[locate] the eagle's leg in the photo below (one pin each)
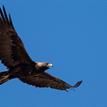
(4, 76)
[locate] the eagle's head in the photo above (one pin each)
(42, 66)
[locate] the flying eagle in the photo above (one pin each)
(13, 55)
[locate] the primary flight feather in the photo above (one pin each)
(13, 55)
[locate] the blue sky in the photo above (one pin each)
(73, 36)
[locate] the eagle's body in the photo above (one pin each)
(19, 64)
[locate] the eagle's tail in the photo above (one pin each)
(4, 77)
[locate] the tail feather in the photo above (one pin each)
(4, 76)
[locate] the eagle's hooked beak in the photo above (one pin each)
(50, 65)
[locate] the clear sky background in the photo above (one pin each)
(71, 34)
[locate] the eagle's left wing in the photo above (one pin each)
(46, 80)
(12, 50)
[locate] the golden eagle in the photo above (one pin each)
(19, 64)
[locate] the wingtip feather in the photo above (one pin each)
(78, 84)
(75, 86)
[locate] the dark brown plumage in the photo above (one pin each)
(19, 64)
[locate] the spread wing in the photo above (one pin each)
(46, 80)
(12, 51)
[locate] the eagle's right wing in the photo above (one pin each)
(44, 79)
